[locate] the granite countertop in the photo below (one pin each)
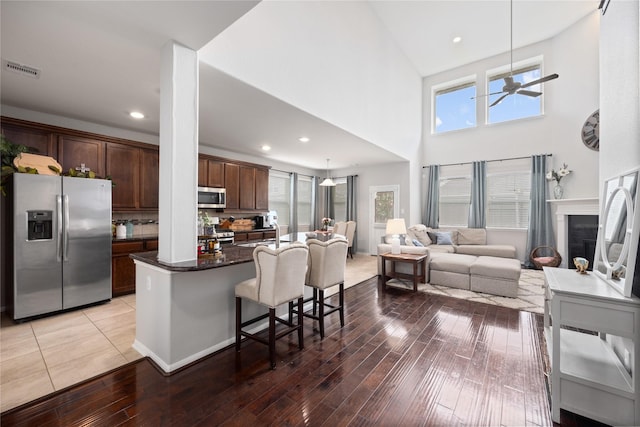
(135, 238)
(230, 255)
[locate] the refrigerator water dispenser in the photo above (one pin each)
(39, 225)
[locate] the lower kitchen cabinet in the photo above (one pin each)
(123, 270)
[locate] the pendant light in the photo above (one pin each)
(328, 182)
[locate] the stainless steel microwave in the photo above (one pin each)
(212, 198)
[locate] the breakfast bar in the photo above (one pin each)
(186, 311)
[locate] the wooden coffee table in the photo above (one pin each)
(413, 259)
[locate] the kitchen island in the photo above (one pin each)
(186, 311)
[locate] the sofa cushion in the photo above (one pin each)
(503, 251)
(472, 236)
(441, 237)
(503, 268)
(453, 263)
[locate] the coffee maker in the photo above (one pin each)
(260, 221)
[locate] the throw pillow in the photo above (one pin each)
(441, 237)
(416, 242)
(419, 232)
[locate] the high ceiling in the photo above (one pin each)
(99, 60)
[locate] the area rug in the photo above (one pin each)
(530, 292)
(360, 268)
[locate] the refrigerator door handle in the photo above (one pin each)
(65, 247)
(59, 233)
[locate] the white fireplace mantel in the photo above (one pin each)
(563, 208)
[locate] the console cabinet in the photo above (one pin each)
(589, 375)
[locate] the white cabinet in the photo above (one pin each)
(588, 376)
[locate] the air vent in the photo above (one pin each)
(25, 70)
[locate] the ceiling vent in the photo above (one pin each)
(25, 70)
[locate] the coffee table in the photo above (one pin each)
(413, 259)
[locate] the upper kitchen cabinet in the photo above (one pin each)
(210, 173)
(262, 189)
(76, 151)
(39, 141)
(149, 178)
(122, 166)
(248, 186)
(232, 184)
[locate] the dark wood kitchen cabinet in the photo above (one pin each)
(211, 173)
(123, 269)
(122, 166)
(248, 187)
(232, 184)
(135, 172)
(149, 178)
(262, 189)
(74, 151)
(39, 141)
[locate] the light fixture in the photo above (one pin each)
(136, 115)
(303, 139)
(266, 147)
(396, 227)
(457, 39)
(328, 182)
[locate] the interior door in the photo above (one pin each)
(384, 204)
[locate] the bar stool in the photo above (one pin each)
(280, 277)
(327, 262)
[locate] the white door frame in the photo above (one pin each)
(377, 230)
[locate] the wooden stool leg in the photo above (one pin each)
(321, 312)
(272, 337)
(238, 321)
(300, 316)
(315, 300)
(341, 295)
(290, 312)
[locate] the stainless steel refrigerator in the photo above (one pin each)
(61, 243)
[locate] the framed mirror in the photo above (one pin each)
(617, 244)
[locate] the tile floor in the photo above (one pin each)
(49, 354)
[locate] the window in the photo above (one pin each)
(514, 106)
(304, 203)
(455, 195)
(454, 107)
(384, 205)
(508, 187)
(280, 195)
(340, 200)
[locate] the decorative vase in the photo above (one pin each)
(558, 191)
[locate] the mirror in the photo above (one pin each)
(616, 248)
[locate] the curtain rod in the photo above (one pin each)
(494, 160)
(304, 174)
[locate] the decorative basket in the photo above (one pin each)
(539, 260)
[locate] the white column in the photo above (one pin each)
(179, 81)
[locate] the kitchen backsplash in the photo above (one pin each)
(144, 223)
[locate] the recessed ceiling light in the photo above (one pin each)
(136, 115)
(303, 139)
(457, 39)
(266, 147)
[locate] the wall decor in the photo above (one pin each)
(591, 131)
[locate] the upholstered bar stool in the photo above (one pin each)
(326, 269)
(340, 227)
(280, 278)
(350, 233)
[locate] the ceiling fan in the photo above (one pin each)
(512, 87)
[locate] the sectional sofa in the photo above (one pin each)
(461, 258)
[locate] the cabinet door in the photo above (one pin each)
(122, 165)
(232, 184)
(38, 141)
(123, 270)
(203, 171)
(149, 177)
(215, 176)
(262, 189)
(74, 151)
(247, 187)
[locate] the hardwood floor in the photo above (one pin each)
(403, 358)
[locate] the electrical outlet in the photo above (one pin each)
(148, 283)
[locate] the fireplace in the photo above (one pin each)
(564, 209)
(582, 232)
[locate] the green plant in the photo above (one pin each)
(8, 152)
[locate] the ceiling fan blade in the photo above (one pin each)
(497, 101)
(487, 94)
(529, 93)
(541, 80)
